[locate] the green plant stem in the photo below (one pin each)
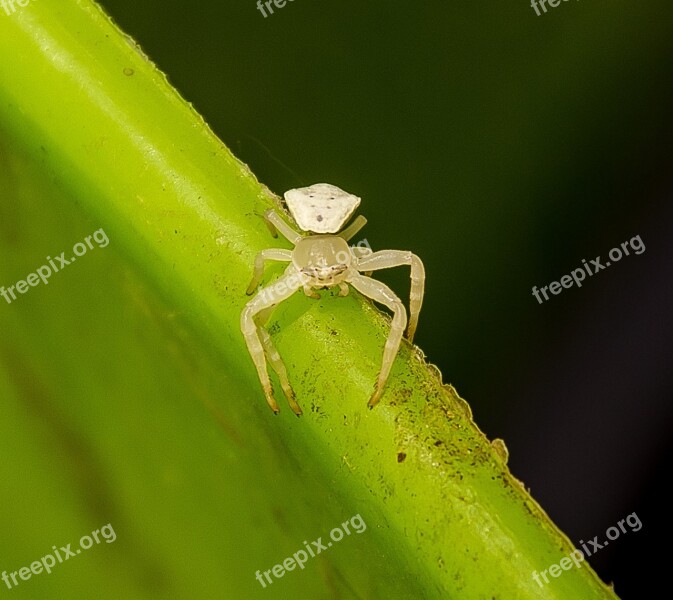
(80, 98)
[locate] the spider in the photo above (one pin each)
(322, 259)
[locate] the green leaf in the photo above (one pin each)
(129, 398)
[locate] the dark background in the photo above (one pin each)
(503, 148)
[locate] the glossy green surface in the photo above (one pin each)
(128, 396)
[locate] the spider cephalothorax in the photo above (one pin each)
(322, 258)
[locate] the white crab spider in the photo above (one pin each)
(321, 259)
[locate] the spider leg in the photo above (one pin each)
(358, 223)
(276, 254)
(361, 253)
(261, 318)
(275, 224)
(278, 366)
(380, 292)
(386, 259)
(266, 299)
(310, 292)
